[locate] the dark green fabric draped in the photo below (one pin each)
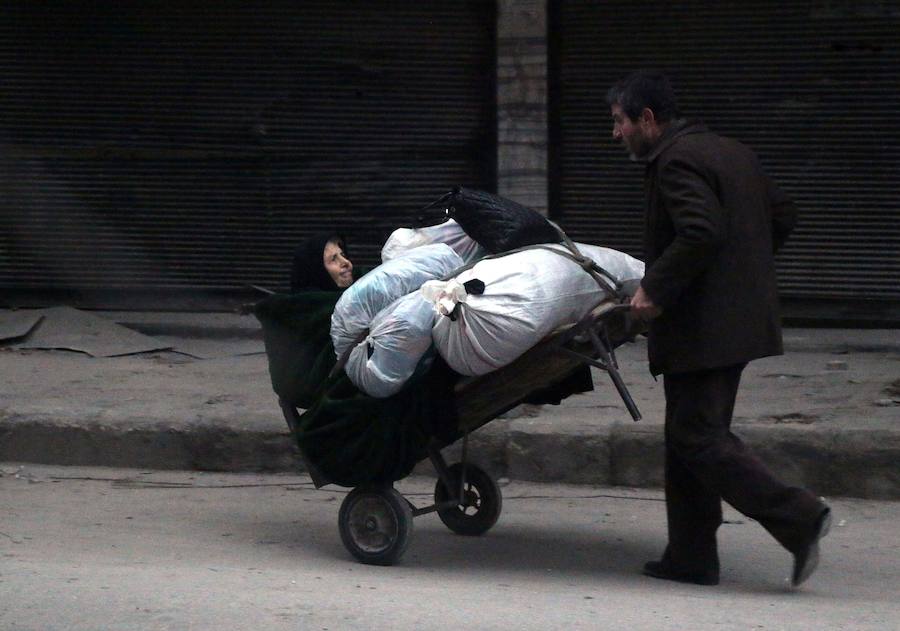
(350, 437)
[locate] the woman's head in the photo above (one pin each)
(321, 264)
(338, 266)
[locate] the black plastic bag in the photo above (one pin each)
(496, 223)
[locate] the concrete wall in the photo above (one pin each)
(522, 102)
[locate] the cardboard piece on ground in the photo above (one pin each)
(212, 348)
(17, 324)
(71, 329)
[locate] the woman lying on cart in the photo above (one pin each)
(347, 437)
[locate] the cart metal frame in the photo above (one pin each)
(375, 521)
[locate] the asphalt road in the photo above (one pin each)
(129, 549)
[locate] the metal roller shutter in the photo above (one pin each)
(188, 146)
(814, 87)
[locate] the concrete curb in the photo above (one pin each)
(206, 447)
(849, 463)
(853, 463)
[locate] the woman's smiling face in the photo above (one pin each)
(338, 265)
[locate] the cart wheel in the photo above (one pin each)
(375, 524)
(481, 501)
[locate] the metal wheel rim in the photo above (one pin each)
(471, 500)
(372, 524)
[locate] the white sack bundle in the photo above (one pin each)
(399, 336)
(383, 285)
(402, 240)
(527, 295)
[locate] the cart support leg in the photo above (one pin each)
(440, 465)
(462, 478)
(613, 370)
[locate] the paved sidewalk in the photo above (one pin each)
(825, 415)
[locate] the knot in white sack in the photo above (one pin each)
(444, 295)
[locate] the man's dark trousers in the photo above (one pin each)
(706, 463)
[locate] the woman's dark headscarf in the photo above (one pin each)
(308, 271)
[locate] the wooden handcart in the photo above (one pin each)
(376, 521)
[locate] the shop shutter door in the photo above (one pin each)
(814, 87)
(189, 146)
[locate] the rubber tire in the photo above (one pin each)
(375, 524)
(483, 491)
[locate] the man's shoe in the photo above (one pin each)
(806, 560)
(661, 569)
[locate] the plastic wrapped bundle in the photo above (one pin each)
(449, 232)
(399, 337)
(524, 297)
(386, 283)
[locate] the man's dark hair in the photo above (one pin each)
(645, 88)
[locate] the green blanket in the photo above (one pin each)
(352, 438)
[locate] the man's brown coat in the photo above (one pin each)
(713, 223)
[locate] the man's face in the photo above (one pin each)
(338, 265)
(633, 134)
